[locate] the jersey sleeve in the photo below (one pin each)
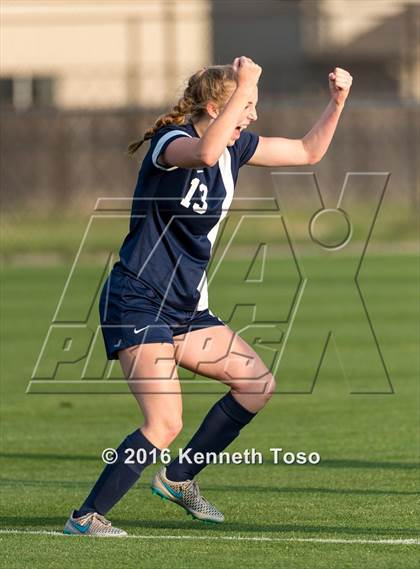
(246, 146)
(161, 140)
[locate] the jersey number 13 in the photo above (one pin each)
(186, 201)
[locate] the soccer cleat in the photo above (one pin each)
(187, 495)
(92, 524)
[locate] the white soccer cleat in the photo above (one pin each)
(93, 525)
(187, 495)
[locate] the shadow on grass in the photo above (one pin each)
(80, 484)
(49, 456)
(306, 490)
(354, 463)
(56, 523)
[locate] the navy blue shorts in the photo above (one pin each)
(131, 313)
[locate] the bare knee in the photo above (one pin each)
(270, 386)
(162, 433)
(255, 394)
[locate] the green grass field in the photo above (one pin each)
(350, 510)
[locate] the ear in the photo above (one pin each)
(212, 109)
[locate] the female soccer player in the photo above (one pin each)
(158, 288)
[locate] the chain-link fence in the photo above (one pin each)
(58, 160)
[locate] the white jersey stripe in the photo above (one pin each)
(225, 167)
(160, 144)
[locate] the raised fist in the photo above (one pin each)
(247, 71)
(340, 82)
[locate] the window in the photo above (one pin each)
(23, 93)
(6, 91)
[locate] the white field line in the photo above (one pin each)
(234, 538)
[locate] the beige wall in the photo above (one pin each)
(360, 18)
(108, 53)
(112, 53)
(340, 23)
(369, 30)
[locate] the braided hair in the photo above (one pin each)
(208, 84)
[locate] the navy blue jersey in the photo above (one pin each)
(175, 217)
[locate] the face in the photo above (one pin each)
(248, 115)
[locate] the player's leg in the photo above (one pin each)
(152, 376)
(218, 352)
(150, 370)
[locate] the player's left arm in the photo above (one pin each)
(277, 151)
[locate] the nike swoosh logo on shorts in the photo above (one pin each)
(138, 331)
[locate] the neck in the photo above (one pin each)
(201, 125)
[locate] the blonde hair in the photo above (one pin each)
(209, 84)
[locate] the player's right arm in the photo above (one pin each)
(204, 152)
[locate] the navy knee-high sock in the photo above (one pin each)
(221, 426)
(116, 479)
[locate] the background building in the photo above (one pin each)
(130, 53)
(298, 42)
(100, 54)
(81, 79)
